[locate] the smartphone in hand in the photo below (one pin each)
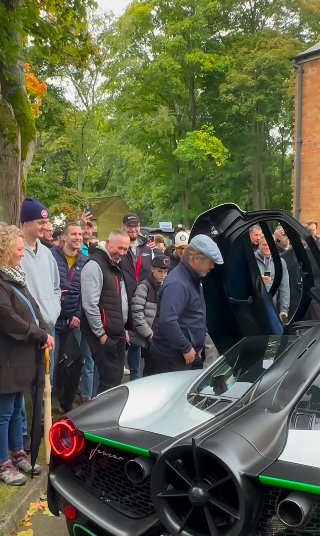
(88, 208)
(267, 273)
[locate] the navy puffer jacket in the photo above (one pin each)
(70, 283)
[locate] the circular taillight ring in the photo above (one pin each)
(65, 440)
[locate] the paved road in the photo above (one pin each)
(43, 525)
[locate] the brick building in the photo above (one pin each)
(306, 175)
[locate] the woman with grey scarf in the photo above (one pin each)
(22, 333)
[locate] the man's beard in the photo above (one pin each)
(133, 238)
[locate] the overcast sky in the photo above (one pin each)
(117, 6)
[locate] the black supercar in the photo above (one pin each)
(233, 450)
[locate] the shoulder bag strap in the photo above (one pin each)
(29, 304)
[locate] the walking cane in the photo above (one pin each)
(47, 404)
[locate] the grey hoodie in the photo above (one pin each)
(283, 294)
(43, 281)
(91, 288)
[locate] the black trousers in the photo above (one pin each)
(109, 359)
(158, 362)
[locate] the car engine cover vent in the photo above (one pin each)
(211, 404)
(305, 420)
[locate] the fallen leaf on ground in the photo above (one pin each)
(47, 512)
(26, 521)
(35, 507)
(28, 532)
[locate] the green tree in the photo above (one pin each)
(58, 30)
(253, 98)
(158, 64)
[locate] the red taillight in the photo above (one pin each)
(70, 512)
(64, 439)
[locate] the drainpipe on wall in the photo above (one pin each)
(297, 165)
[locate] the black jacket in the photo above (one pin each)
(20, 337)
(110, 303)
(136, 269)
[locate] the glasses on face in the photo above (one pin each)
(133, 226)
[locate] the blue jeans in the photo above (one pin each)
(10, 424)
(134, 361)
(87, 372)
(96, 382)
(24, 417)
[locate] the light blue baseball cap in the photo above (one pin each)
(207, 247)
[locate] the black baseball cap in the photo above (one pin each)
(161, 261)
(130, 218)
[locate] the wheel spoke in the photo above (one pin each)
(225, 507)
(211, 524)
(177, 468)
(185, 521)
(195, 459)
(222, 481)
(173, 493)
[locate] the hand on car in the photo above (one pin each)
(49, 343)
(74, 322)
(190, 356)
(103, 339)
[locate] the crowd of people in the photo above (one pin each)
(288, 296)
(113, 298)
(62, 283)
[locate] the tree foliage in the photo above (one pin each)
(176, 106)
(59, 32)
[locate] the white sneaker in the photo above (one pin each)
(126, 371)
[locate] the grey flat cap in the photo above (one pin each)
(207, 247)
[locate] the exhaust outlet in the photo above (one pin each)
(293, 511)
(139, 469)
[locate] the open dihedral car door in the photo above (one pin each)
(238, 303)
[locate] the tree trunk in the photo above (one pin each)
(10, 197)
(81, 176)
(257, 171)
(13, 91)
(186, 204)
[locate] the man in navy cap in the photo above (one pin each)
(38, 263)
(41, 270)
(180, 325)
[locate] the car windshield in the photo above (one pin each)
(243, 365)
